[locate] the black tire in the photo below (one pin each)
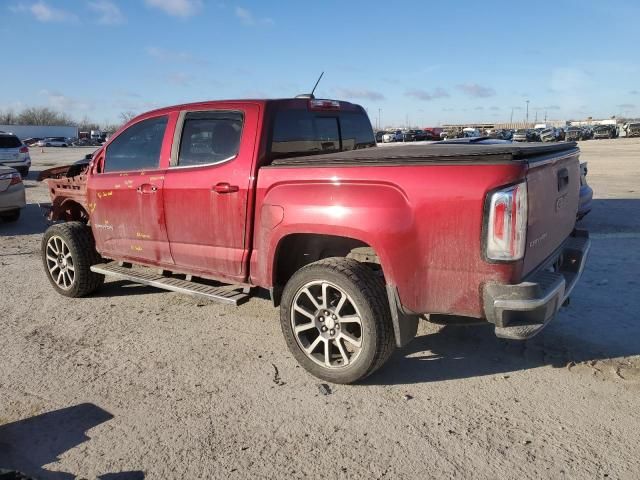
(367, 291)
(81, 245)
(23, 172)
(11, 216)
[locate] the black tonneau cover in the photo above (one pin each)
(431, 153)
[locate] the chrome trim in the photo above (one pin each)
(177, 138)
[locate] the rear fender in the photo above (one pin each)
(375, 213)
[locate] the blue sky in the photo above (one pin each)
(428, 62)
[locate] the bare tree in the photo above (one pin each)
(8, 117)
(86, 125)
(126, 116)
(43, 116)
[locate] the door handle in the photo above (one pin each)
(224, 187)
(146, 188)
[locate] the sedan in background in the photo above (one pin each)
(12, 196)
(13, 153)
(53, 142)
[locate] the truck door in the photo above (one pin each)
(206, 189)
(125, 193)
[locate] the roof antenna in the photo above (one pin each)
(310, 95)
(314, 87)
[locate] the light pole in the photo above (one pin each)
(511, 121)
(527, 112)
(380, 118)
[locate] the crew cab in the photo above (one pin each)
(354, 243)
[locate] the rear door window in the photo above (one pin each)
(138, 147)
(209, 137)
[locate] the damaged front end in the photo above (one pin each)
(68, 191)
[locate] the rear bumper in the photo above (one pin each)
(586, 200)
(521, 311)
(13, 198)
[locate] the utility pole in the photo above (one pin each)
(545, 116)
(527, 112)
(380, 118)
(511, 121)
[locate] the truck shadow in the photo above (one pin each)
(599, 326)
(30, 444)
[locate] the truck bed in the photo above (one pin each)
(430, 153)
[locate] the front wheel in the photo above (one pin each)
(68, 252)
(336, 320)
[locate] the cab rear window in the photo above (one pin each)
(303, 132)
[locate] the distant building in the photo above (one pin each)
(40, 131)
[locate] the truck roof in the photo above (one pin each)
(435, 152)
(280, 102)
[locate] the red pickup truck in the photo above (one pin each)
(355, 242)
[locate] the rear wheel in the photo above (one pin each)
(11, 216)
(336, 320)
(68, 252)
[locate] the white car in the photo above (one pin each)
(53, 142)
(15, 154)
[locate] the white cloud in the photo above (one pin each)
(425, 95)
(177, 8)
(44, 12)
(248, 18)
(359, 93)
(173, 56)
(64, 103)
(475, 90)
(180, 79)
(109, 13)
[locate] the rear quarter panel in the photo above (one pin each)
(424, 222)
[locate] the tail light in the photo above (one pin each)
(506, 227)
(24, 150)
(14, 177)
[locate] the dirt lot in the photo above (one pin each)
(136, 382)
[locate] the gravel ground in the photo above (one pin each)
(134, 382)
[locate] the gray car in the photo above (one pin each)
(12, 197)
(13, 153)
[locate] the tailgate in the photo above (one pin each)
(553, 186)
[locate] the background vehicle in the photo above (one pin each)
(12, 197)
(379, 135)
(31, 141)
(390, 137)
(632, 129)
(14, 153)
(521, 135)
(586, 193)
(53, 142)
(604, 131)
(573, 134)
(288, 195)
(548, 135)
